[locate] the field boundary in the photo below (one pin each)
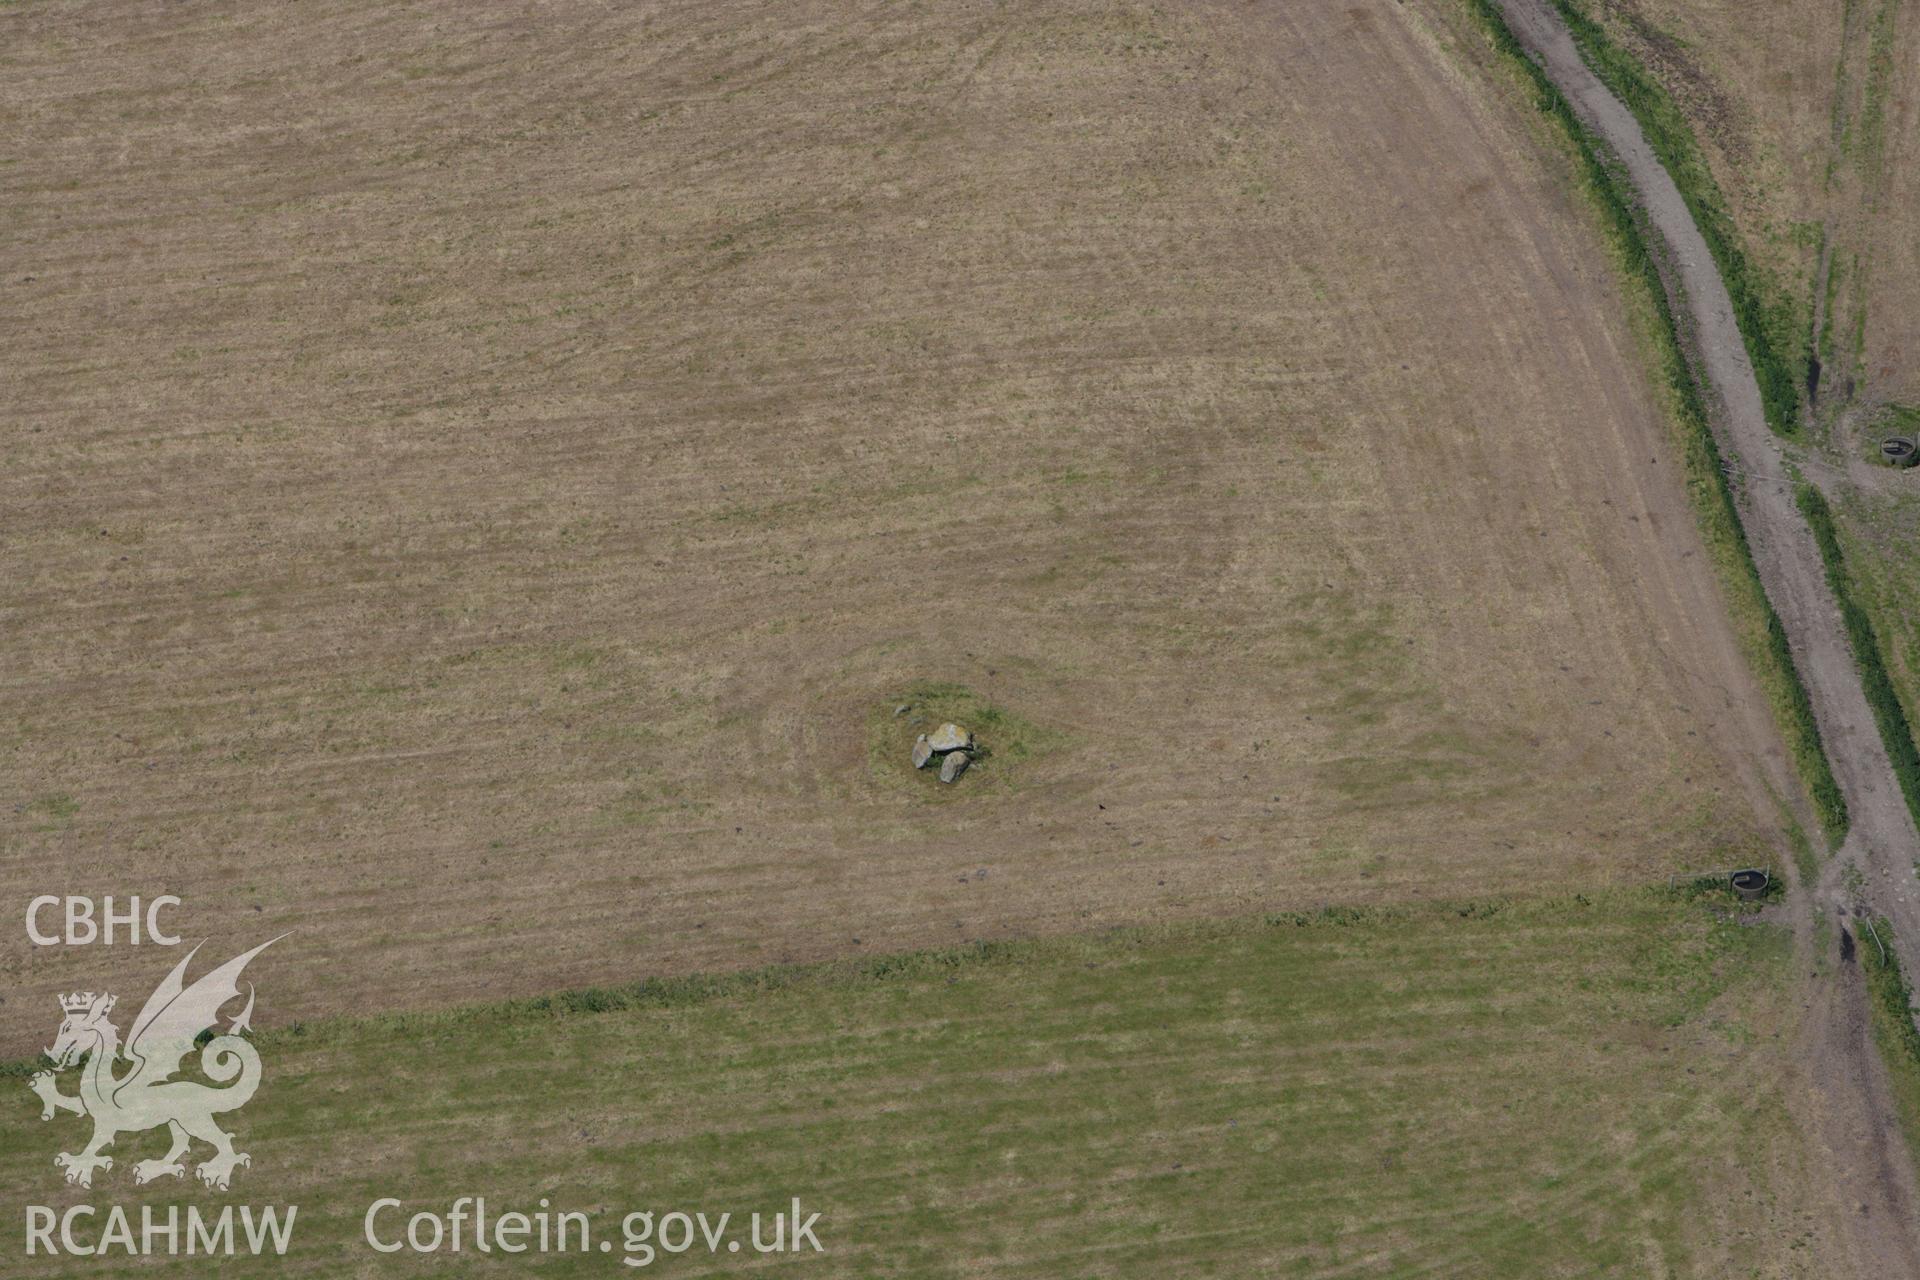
(1706, 474)
(700, 988)
(1896, 729)
(1890, 999)
(1671, 137)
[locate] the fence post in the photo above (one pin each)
(1868, 921)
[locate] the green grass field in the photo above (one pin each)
(1537, 1089)
(1893, 1026)
(1880, 535)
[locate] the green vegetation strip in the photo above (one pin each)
(1888, 713)
(1893, 1027)
(1768, 328)
(1611, 190)
(1498, 1089)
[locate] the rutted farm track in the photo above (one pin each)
(1882, 843)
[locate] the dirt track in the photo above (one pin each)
(1855, 1119)
(1883, 835)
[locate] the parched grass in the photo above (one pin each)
(1895, 419)
(1763, 634)
(654, 502)
(1865, 136)
(1497, 1089)
(1770, 323)
(50, 812)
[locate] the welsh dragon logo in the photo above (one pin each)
(146, 1096)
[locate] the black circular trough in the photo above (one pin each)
(1899, 451)
(1750, 884)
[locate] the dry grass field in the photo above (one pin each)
(477, 482)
